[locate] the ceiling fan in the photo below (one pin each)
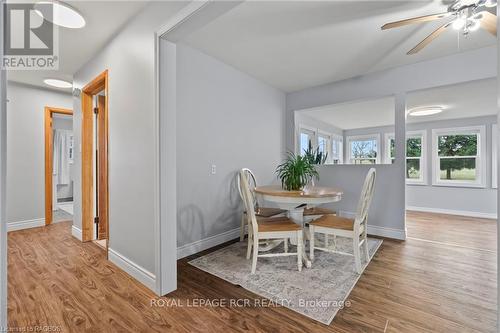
(467, 15)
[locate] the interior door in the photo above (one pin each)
(102, 167)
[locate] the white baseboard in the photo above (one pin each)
(377, 230)
(76, 232)
(453, 212)
(386, 232)
(139, 273)
(206, 243)
(19, 225)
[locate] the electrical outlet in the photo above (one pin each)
(214, 169)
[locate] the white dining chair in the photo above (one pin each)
(259, 211)
(274, 228)
(356, 228)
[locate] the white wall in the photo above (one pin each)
(226, 118)
(26, 149)
(133, 165)
(388, 206)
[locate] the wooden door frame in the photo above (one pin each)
(97, 85)
(49, 149)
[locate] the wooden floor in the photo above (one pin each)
(442, 279)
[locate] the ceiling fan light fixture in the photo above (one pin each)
(473, 25)
(458, 23)
(425, 111)
(490, 3)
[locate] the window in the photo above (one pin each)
(457, 156)
(306, 139)
(415, 155)
(337, 150)
(324, 144)
(363, 149)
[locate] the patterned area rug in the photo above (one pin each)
(317, 292)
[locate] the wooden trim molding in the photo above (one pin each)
(49, 149)
(100, 83)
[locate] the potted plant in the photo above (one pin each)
(296, 172)
(315, 156)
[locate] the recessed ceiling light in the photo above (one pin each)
(58, 83)
(425, 111)
(62, 14)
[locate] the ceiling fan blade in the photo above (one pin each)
(427, 40)
(419, 19)
(489, 22)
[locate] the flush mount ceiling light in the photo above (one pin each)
(425, 111)
(62, 14)
(58, 83)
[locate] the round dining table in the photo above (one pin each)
(295, 202)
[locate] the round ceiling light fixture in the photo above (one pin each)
(58, 83)
(425, 111)
(62, 14)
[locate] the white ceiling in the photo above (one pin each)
(77, 46)
(293, 45)
(471, 99)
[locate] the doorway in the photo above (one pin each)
(95, 199)
(58, 164)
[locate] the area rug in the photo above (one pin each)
(317, 292)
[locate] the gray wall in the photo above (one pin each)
(390, 186)
(458, 199)
(229, 119)
(26, 149)
(129, 57)
(451, 198)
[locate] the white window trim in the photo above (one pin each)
(480, 159)
(328, 136)
(423, 158)
(312, 131)
(494, 156)
(351, 138)
(340, 139)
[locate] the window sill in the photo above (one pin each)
(465, 185)
(417, 183)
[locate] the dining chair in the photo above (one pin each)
(259, 211)
(273, 228)
(356, 228)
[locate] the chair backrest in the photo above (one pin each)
(252, 183)
(366, 197)
(248, 197)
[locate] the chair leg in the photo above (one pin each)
(311, 243)
(242, 231)
(326, 241)
(250, 242)
(286, 244)
(334, 242)
(357, 256)
(255, 252)
(366, 247)
(300, 244)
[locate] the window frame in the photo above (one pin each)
(328, 136)
(494, 156)
(339, 139)
(364, 137)
(422, 134)
(480, 157)
(307, 130)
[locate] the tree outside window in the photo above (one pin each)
(457, 155)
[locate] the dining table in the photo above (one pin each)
(294, 202)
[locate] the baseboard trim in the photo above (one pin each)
(131, 268)
(377, 230)
(453, 212)
(206, 243)
(386, 232)
(20, 225)
(76, 232)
